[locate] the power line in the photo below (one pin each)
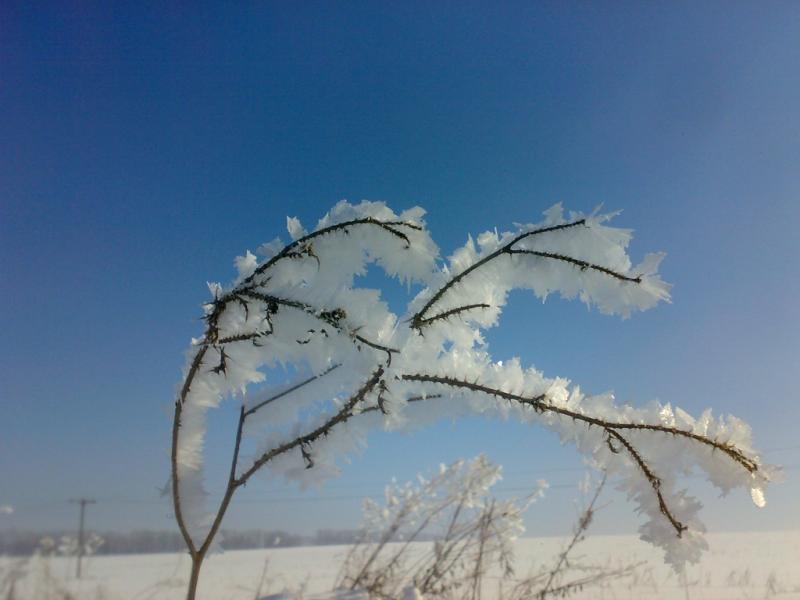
(267, 496)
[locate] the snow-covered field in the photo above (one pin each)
(740, 565)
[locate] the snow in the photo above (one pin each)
(737, 566)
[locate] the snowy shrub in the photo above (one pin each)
(360, 366)
(446, 537)
(471, 532)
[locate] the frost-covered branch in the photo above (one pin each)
(581, 264)
(540, 404)
(443, 316)
(302, 246)
(419, 319)
(306, 440)
(360, 366)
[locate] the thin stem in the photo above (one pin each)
(583, 525)
(176, 426)
(409, 400)
(582, 264)
(194, 576)
(449, 313)
(229, 490)
(243, 337)
(176, 494)
(381, 544)
(652, 478)
(563, 591)
(288, 391)
(478, 571)
(190, 375)
(435, 571)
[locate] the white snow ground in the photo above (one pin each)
(738, 566)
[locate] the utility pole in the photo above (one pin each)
(83, 502)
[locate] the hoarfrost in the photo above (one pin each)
(361, 367)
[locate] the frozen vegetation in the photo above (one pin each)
(359, 366)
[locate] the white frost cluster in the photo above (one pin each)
(470, 530)
(297, 307)
(431, 501)
(69, 546)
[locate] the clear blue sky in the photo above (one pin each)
(144, 148)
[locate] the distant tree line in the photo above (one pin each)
(24, 543)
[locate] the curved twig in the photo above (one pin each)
(176, 490)
(449, 313)
(290, 248)
(389, 351)
(582, 264)
(539, 404)
(652, 478)
(418, 319)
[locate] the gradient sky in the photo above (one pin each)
(144, 149)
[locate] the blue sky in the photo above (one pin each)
(145, 148)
